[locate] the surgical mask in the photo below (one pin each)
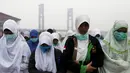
(45, 48)
(10, 37)
(82, 37)
(120, 36)
(34, 39)
(55, 44)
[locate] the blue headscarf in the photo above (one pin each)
(34, 33)
(33, 45)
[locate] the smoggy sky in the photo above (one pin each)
(102, 13)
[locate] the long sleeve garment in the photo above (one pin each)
(33, 69)
(67, 62)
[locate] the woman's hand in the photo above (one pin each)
(90, 68)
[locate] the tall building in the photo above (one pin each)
(41, 17)
(70, 19)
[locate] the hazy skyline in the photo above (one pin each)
(102, 13)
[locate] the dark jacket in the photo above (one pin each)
(67, 62)
(33, 69)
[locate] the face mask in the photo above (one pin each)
(45, 48)
(82, 37)
(10, 37)
(120, 36)
(55, 44)
(34, 39)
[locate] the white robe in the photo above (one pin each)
(45, 61)
(116, 53)
(58, 46)
(14, 57)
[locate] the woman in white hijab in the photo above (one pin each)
(26, 35)
(89, 55)
(97, 33)
(43, 60)
(69, 33)
(14, 51)
(116, 49)
(57, 42)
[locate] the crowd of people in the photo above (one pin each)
(78, 52)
